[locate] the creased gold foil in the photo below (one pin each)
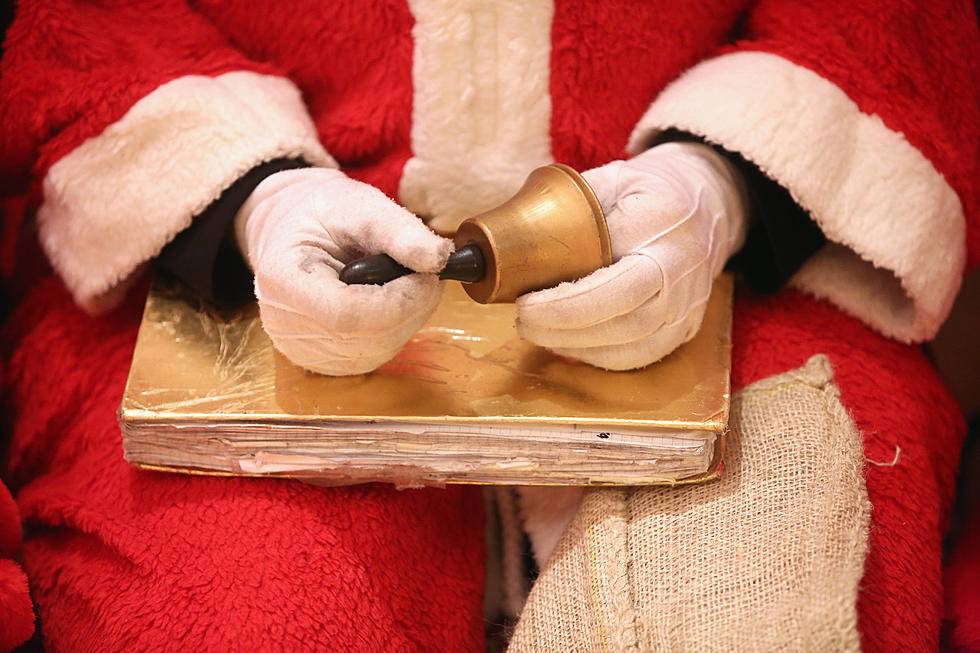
(207, 392)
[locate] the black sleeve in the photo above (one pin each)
(782, 236)
(205, 257)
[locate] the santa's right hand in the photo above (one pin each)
(298, 229)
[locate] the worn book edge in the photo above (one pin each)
(159, 432)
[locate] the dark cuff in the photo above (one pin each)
(205, 257)
(782, 236)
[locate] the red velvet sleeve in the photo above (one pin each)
(868, 113)
(72, 68)
(133, 116)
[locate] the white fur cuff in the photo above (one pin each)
(478, 128)
(117, 199)
(900, 222)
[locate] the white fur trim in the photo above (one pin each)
(117, 199)
(862, 182)
(480, 122)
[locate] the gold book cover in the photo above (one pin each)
(465, 401)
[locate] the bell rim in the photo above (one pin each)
(602, 227)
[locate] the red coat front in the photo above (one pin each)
(135, 117)
(129, 118)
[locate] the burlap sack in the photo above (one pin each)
(766, 559)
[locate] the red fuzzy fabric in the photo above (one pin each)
(353, 62)
(883, 55)
(118, 55)
(897, 401)
(10, 531)
(72, 68)
(962, 581)
(16, 611)
(606, 68)
(359, 94)
(129, 560)
(886, 56)
(132, 560)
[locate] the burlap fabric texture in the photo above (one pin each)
(768, 558)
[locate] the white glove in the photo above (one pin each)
(675, 214)
(298, 229)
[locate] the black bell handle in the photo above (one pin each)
(466, 264)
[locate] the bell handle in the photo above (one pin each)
(466, 264)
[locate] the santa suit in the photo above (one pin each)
(130, 119)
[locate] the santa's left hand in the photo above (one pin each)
(676, 213)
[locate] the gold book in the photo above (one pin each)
(465, 401)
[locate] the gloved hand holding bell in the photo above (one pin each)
(552, 230)
(669, 217)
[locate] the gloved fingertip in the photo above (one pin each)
(426, 254)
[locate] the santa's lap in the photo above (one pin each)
(125, 559)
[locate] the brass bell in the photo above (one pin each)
(552, 230)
